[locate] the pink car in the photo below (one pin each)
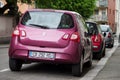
(55, 36)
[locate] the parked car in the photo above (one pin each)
(54, 36)
(98, 40)
(109, 35)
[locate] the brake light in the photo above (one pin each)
(18, 32)
(75, 37)
(65, 37)
(109, 35)
(96, 38)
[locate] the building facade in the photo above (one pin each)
(22, 6)
(105, 13)
(117, 17)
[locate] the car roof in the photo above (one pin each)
(91, 22)
(105, 26)
(54, 10)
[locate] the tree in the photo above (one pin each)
(84, 7)
(12, 6)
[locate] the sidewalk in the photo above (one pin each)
(4, 46)
(111, 70)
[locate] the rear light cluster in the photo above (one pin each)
(74, 37)
(109, 35)
(18, 32)
(96, 38)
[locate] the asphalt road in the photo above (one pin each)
(39, 71)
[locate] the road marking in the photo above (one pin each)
(4, 70)
(100, 65)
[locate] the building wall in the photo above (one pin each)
(111, 14)
(117, 17)
(22, 7)
(106, 13)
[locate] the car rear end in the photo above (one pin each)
(97, 43)
(46, 36)
(107, 32)
(97, 38)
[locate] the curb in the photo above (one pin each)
(4, 46)
(4, 40)
(100, 65)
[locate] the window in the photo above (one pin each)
(96, 12)
(113, 12)
(82, 24)
(103, 12)
(1, 4)
(110, 11)
(49, 20)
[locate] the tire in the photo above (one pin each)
(77, 69)
(89, 63)
(103, 53)
(14, 64)
(111, 46)
(99, 56)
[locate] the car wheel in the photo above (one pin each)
(14, 64)
(103, 53)
(78, 68)
(99, 56)
(111, 45)
(89, 63)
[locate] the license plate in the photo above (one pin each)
(41, 55)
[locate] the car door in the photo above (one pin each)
(86, 41)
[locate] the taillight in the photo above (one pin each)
(109, 35)
(18, 32)
(65, 37)
(75, 37)
(97, 39)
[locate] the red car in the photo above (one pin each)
(98, 40)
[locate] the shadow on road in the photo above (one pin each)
(52, 69)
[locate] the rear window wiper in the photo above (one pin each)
(41, 26)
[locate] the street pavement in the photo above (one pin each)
(111, 70)
(108, 68)
(4, 46)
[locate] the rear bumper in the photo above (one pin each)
(109, 41)
(97, 47)
(69, 54)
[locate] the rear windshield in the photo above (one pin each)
(92, 26)
(105, 29)
(47, 20)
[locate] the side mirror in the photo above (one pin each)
(113, 32)
(86, 34)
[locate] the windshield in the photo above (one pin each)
(105, 28)
(47, 20)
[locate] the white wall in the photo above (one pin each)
(117, 17)
(6, 26)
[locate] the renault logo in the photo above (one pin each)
(43, 34)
